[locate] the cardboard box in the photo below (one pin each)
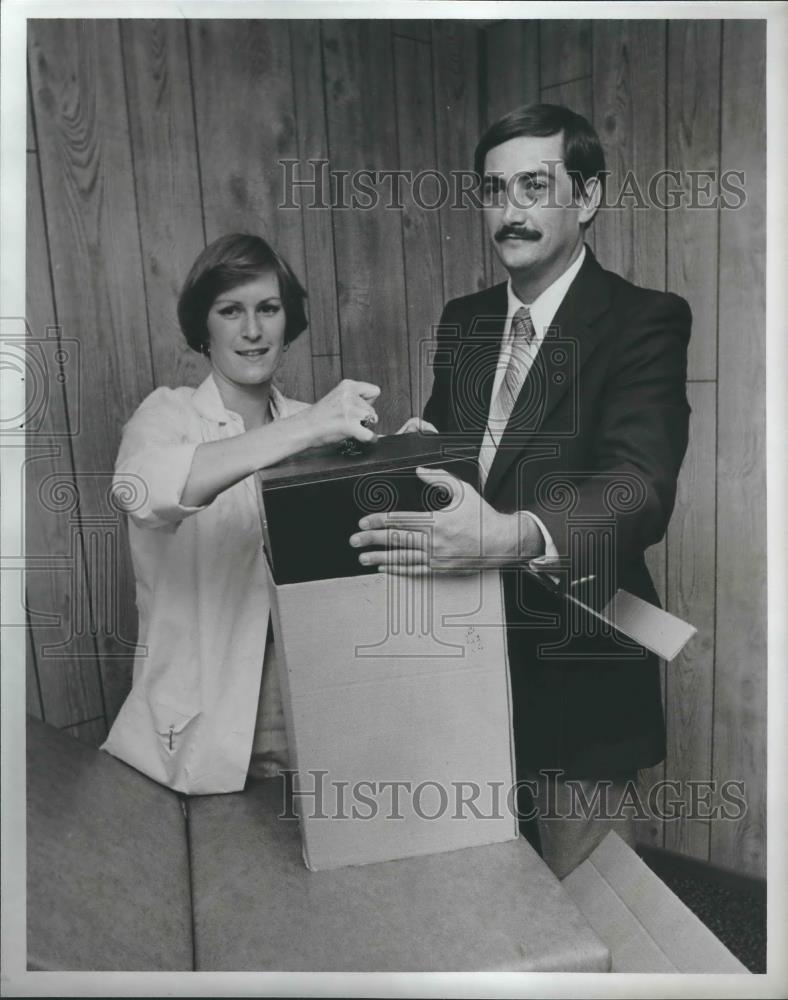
(395, 689)
(391, 680)
(646, 927)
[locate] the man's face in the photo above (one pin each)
(530, 211)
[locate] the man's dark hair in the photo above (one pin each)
(583, 155)
(227, 263)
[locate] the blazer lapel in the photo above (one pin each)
(572, 338)
(473, 372)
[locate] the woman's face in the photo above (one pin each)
(246, 325)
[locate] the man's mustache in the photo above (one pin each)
(508, 233)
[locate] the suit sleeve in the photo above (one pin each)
(639, 445)
(437, 407)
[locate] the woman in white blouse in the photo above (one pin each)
(205, 699)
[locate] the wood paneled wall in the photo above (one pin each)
(146, 139)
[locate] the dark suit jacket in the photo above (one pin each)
(593, 448)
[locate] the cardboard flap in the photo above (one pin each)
(612, 920)
(657, 630)
(627, 883)
(651, 627)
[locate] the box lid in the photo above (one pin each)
(393, 451)
(390, 452)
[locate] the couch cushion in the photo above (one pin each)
(107, 862)
(257, 907)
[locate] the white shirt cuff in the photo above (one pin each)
(550, 549)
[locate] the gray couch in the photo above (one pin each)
(125, 875)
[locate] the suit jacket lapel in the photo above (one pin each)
(474, 370)
(572, 338)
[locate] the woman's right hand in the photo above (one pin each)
(217, 465)
(339, 414)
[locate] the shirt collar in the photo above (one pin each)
(545, 306)
(208, 402)
(277, 404)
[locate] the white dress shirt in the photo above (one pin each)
(191, 717)
(542, 311)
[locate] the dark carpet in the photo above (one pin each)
(735, 914)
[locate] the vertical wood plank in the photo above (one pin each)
(576, 95)
(628, 59)
(693, 145)
(421, 227)
(511, 79)
(33, 703)
(327, 372)
(740, 684)
(310, 118)
(456, 83)
(86, 163)
(87, 174)
(656, 560)
(511, 67)
(418, 30)
(565, 75)
(66, 659)
(691, 576)
(70, 687)
(167, 184)
(651, 831)
(359, 81)
(693, 142)
(31, 132)
(629, 70)
(564, 51)
(244, 106)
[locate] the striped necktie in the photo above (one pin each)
(502, 405)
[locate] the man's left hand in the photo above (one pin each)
(416, 424)
(468, 534)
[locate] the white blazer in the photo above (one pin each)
(202, 598)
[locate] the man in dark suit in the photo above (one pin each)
(569, 383)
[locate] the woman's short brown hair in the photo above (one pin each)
(226, 263)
